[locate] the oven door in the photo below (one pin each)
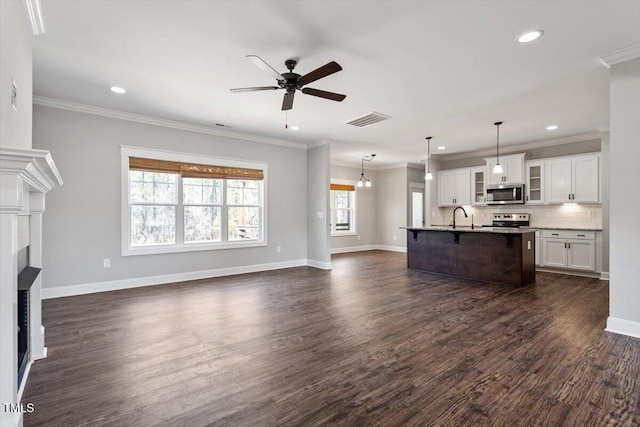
(505, 194)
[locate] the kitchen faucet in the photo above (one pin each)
(454, 215)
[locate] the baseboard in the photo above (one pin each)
(569, 272)
(90, 288)
(354, 249)
(319, 264)
(623, 327)
(604, 275)
(392, 248)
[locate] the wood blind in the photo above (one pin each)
(193, 170)
(343, 187)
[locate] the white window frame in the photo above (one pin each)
(354, 231)
(180, 246)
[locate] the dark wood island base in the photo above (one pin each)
(489, 255)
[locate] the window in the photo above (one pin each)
(175, 202)
(343, 209)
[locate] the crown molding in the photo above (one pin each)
(621, 55)
(511, 149)
(319, 144)
(139, 118)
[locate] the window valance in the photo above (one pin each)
(342, 187)
(194, 170)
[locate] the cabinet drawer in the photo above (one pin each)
(569, 234)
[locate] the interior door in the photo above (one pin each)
(417, 207)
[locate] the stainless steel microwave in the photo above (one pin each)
(505, 194)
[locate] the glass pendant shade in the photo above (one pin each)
(359, 184)
(498, 169)
(367, 184)
(428, 176)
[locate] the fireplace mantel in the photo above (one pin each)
(25, 177)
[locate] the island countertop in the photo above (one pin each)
(465, 229)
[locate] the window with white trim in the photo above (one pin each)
(343, 209)
(175, 202)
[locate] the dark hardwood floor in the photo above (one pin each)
(368, 343)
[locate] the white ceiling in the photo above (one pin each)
(442, 69)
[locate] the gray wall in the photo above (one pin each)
(318, 181)
(366, 208)
(391, 193)
(15, 63)
(624, 192)
(82, 225)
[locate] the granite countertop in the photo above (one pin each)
(479, 229)
(569, 228)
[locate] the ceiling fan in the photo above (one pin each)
(292, 81)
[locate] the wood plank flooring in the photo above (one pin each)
(367, 343)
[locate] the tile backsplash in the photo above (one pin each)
(561, 216)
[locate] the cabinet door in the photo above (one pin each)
(463, 187)
(581, 255)
(446, 188)
(585, 178)
(554, 253)
(558, 180)
(537, 242)
(478, 194)
(514, 170)
(535, 183)
(493, 178)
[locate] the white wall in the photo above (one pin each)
(624, 198)
(391, 192)
(317, 206)
(82, 223)
(15, 64)
(366, 208)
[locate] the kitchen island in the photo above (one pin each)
(498, 255)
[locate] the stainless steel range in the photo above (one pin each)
(508, 220)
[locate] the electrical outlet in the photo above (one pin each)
(320, 214)
(395, 237)
(106, 263)
(278, 249)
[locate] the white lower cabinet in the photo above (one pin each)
(575, 250)
(538, 248)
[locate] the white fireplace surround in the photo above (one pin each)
(25, 177)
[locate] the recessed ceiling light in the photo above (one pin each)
(552, 127)
(117, 89)
(530, 36)
(294, 127)
(442, 147)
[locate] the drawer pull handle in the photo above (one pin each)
(581, 235)
(555, 234)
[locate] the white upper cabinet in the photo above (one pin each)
(573, 179)
(478, 185)
(454, 187)
(534, 185)
(513, 166)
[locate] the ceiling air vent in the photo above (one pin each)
(367, 119)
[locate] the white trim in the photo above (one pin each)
(621, 55)
(516, 149)
(623, 327)
(319, 264)
(353, 249)
(24, 379)
(112, 285)
(604, 275)
(139, 118)
(568, 272)
(603, 128)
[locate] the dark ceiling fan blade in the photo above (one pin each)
(253, 89)
(258, 62)
(287, 102)
(318, 73)
(323, 94)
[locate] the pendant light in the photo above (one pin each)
(363, 181)
(497, 169)
(428, 176)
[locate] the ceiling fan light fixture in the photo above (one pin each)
(529, 36)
